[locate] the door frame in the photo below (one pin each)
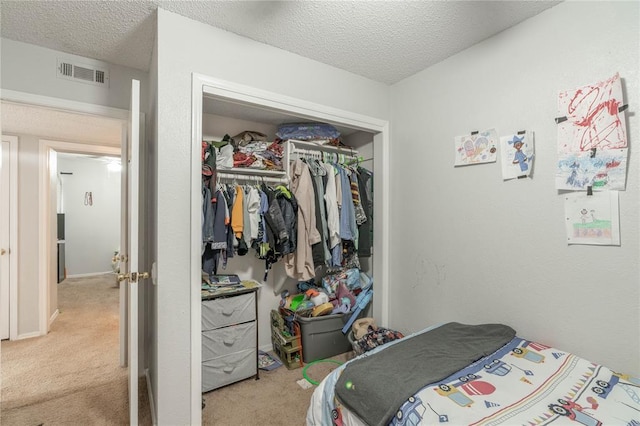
(46, 234)
(13, 235)
(247, 95)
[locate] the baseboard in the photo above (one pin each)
(92, 274)
(28, 335)
(266, 348)
(152, 405)
(53, 317)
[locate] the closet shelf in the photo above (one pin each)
(293, 143)
(292, 148)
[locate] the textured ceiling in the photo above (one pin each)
(385, 41)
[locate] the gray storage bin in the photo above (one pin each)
(322, 336)
(354, 344)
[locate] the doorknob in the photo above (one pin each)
(133, 276)
(2, 252)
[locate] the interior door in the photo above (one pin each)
(129, 277)
(4, 239)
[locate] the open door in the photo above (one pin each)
(5, 227)
(128, 256)
(8, 237)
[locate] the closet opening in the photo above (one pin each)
(223, 109)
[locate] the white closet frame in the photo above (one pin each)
(228, 92)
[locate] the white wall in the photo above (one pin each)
(469, 247)
(28, 208)
(184, 47)
(92, 232)
(32, 69)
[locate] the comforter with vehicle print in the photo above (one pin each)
(523, 382)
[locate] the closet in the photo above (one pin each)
(224, 116)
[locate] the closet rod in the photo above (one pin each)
(358, 160)
(251, 178)
(321, 152)
(324, 156)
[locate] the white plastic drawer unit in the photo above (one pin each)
(228, 369)
(228, 340)
(226, 311)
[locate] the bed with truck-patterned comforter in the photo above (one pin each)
(521, 382)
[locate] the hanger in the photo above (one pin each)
(284, 190)
(320, 170)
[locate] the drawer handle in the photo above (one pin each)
(229, 342)
(228, 369)
(227, 312)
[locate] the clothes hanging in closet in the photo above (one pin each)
(239, 217)
(365, 185)
(299, 265)
(343, 209)
(325, 220)
(333, 213)
(320, 250)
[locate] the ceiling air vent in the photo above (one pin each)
(82, 73)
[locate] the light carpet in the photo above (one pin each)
(274, 399)
(72, 375)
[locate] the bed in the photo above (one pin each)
(474, 375)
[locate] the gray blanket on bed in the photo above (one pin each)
(374, 387)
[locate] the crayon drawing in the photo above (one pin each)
(593, 117)
(477, 148)
(516, 152)
(592, 219)
(606, 170)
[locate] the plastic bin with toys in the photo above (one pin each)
(325, 312)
